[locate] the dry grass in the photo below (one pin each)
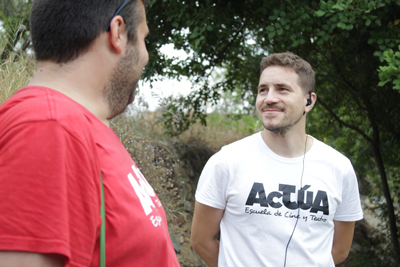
(14, 74)
(221, 130)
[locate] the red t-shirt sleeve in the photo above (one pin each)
(49, 192)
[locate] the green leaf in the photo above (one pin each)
(371, 5)
(330, 4)
(195, 33)
(382, 83)
(338, 7)
(319, 13)
(341, 25)
(379, 5)
(196, 44)
(343, 18)
(263, 10)
(271, 35)
(279, 32)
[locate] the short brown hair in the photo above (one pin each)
(299, 65)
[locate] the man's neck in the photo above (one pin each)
(290, 145)
(82, 80)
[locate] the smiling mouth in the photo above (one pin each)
(272, 110)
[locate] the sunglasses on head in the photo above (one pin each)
(117, 12)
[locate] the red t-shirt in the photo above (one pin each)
(51, 153)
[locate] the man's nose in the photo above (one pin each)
(271, 97)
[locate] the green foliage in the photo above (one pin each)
(240, 123)
(216, 34)
(367, 256)
(362, 16)
(384, 249)
(179, 113)
(390, 73)
(345, 41)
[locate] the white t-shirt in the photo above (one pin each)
(259, 192)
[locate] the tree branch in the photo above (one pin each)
(340, 76)
(229, 45)
(336, 117)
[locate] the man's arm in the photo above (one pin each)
(342, 239)
(205, 227)
(22, 259)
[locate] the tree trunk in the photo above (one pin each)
(386, 192)
(374, 141)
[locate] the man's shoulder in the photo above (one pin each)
(40, 104)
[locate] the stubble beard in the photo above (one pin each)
(121, 88)
(282, 128)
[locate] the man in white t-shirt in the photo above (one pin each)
(279, 197)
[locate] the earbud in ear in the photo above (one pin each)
(309, 100)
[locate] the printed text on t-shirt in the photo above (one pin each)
(276, 199)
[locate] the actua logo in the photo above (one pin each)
(275, 199)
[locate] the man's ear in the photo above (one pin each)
(313, 98)
(118, 35)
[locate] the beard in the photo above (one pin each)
(121, 88)
(285, 125)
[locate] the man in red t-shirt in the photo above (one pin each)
(56, 144)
